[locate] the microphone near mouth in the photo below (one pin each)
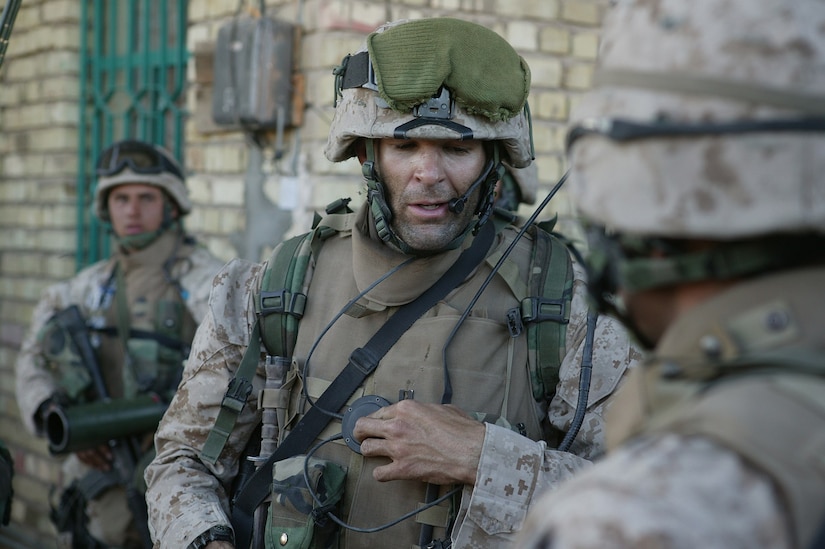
(456, 205)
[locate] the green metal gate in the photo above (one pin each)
(132, 85)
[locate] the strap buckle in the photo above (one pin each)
(236, 394)
(364, 360)
(539, 309)
(282, 301)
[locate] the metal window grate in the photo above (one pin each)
(132, 85)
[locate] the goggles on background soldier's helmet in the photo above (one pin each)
(140, 157)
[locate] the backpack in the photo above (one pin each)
(544, 311)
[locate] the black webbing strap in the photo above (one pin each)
(362, 362)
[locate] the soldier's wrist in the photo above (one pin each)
(216, 533)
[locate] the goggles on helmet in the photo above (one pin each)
(140, 157)
(619, 129)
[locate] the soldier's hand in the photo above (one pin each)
(433, 443)
(97, 458)
(219, 545)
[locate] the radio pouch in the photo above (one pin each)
(296, 519)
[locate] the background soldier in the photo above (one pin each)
(705, 178)
(139, 309)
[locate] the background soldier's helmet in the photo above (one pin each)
(391, 87)
(131, 161)
(722, 103)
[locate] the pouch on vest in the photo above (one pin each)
(296, 520)
(64, 361)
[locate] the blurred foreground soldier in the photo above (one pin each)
(703, 182)
(105, 349)
(370, 431)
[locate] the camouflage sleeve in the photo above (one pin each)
(33, 381)
(185, 495)
(668, 491)
(197, 281)
(513, 469)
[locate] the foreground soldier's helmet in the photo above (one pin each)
(707, 120)
(131, 161)
(439, 78)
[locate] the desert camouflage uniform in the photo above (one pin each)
(187, 496)
(716, 209)
(679, 490)
(193, 268)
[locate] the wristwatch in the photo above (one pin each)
(220, 532)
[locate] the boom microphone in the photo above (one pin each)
(456, 205)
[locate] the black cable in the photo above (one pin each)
(374, 529)
(584, 382)
(447, 397)
(329, 325)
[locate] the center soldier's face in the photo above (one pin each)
(135, 208)
(421, 177)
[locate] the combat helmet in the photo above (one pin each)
(706, 122)
(132, 161)
(439, 78)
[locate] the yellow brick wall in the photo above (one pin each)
(38, 154)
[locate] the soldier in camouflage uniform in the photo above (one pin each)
(149, 297)
(706, 168)
(417, 168)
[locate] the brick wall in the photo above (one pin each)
(38, 154)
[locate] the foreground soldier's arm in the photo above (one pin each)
(513, 470)
(201, 498)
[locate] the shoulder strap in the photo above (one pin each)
(288, 306)
(279, 307)
(545, 311)
(362, 362)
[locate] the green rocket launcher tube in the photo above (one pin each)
(90, 425)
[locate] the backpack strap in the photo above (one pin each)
(546, 312)
(544, 307)
(279, 307)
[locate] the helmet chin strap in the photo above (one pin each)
(383, 216)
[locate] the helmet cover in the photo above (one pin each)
(706, 62)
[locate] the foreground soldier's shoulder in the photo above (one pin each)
(233, 288)
(234, 283)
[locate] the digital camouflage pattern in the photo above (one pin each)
(716, 441)
(755, 61)
(187, 496)
(92, 289)
(697, 475)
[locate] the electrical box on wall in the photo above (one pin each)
(253, 74)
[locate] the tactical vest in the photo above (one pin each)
(530, 295)
(765, 400)
(142, 311)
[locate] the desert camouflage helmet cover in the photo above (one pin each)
(409, 61)
(700, 62)
(174, 186)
